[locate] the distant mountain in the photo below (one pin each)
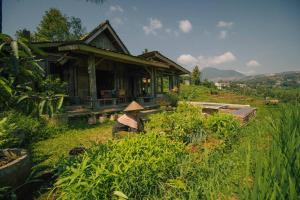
(290, 78)
(214, 74)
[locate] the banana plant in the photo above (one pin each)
(18, 66)
(22, 79)
(41, 103)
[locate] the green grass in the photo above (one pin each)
(227, 166)
(47, 153)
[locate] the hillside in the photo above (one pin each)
(214, 74)
(283, 79)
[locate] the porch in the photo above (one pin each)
(99, 79)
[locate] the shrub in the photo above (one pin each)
(20, 130)
(136, 166)
(223, 125)
(171, 98)
(185, 124)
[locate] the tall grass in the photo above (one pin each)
(277, 167)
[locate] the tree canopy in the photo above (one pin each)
(195, 76)
(56, 26)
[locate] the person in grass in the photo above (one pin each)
(130, 121)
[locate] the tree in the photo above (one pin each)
(195, 76)
(76, 29)
(55, 26)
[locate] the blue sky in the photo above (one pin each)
(252, 37)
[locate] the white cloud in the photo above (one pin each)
(187, 59)
(116, 8)
(217, 60)
(205, 61)
(153, 26)
(222, 34)
(223, 24)
(185, 26)
(253, 63)
(134, 8)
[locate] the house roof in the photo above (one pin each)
(156, 54)
(99, 29)
(112, 55)
(84, 46)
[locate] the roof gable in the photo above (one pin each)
(155, 55)
(105, 37)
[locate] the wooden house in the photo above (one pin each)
(101, 72)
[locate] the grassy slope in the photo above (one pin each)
(48, 152)
(229, 167)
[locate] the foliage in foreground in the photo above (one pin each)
(140, 167)
(277, 169)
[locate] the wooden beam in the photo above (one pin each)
(99, 61)
(92, 80)
(112, 55)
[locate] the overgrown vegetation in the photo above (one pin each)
(140, 167)
(186, 124)
(277, 169)
(19, 130)
(223, 125)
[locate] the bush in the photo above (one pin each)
(20, 130)
(137, 166)
(223, 125)
(186, 124)
(171, 98)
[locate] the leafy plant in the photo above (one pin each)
(19, 68)
(186, 124)
(171, 98)
(22, 80)
(136, 166)
(19, 130)
(223, 125)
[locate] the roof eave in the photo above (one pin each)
(125, 58)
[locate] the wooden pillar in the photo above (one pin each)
(155, 82)
(75, 80)
(92, 80)
(152, 83)
(171, 84)
(71, 81)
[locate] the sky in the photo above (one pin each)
(252, 37)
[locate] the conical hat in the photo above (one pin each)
(133, 106)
